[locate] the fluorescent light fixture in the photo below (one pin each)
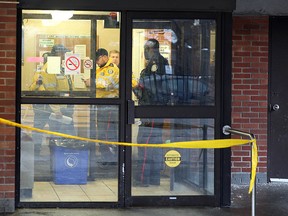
(61, 15)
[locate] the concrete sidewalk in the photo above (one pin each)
(271, 200)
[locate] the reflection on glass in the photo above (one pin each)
(153, 176)
(172, 90)
(57, 60)
(50, 163)
(188, 77)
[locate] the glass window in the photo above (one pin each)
(160, 171)
(174, 61)
(57, 169)
(59, 54)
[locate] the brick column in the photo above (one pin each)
(250, 91)
(7, 105)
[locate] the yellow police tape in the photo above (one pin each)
(198, 144)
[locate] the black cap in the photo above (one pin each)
(152, 43)
(101, 52)
(59, 48)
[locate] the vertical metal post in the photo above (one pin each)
(205, 169)
(228, 130)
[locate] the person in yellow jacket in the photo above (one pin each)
(114, 55)
(58, 117)
(107, 86)
(107, 76)
(42, 81)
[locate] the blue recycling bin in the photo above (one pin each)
(70, 165)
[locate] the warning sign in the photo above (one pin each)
(172, 158)
(88, 64)
(72, 64)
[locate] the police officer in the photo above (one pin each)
(149, 161)
(53, 82)
(107, 86)
(149, 90)
(114, 55)
(107, 76)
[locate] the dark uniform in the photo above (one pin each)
(107, 86)
(150, 160)
(149, 89)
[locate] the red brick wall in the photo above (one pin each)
(7, 99)
(250, 87)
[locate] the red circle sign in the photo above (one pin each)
(88, 64)
(72, 63)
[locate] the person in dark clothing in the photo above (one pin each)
(148, 92)
(107, 86)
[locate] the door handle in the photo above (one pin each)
(131, 112)
(275, 107)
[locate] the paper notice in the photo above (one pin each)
(53, 65)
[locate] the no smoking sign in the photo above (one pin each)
(88, 64)
(72, 64)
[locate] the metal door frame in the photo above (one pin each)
(224, 46)
(222, 112)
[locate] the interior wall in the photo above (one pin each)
(108, 38)
(35, 27)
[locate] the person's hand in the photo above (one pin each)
(87, 82)
(39, 80)
(110, 87)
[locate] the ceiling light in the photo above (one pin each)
(61, 15)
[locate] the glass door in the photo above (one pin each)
(68, 87)
(172, 84)
(174, 96)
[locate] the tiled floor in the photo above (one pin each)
(91, 192)
(105, 190)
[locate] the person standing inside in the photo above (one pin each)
(107, 86)
(114, 55)
(149, 161)
(52, 114)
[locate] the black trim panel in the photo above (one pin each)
(132, 5)
(175, 112)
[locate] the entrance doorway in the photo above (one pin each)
(186, 82)
(170, 92)
(277, 114)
